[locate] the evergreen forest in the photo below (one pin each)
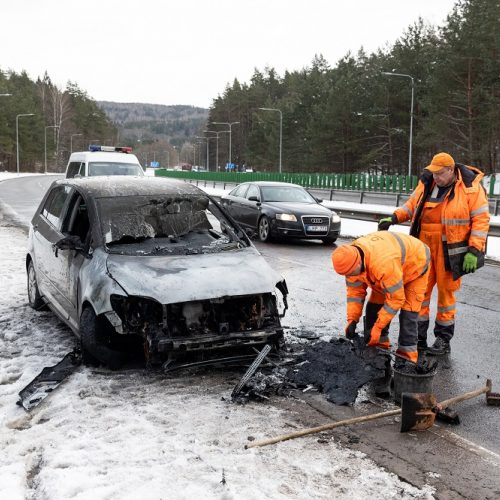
(441, 83)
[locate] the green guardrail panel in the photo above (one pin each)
(346, 181)
(492, 186)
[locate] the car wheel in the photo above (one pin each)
(329, 240)
(95, 336)
(264, 229)
(34, 298)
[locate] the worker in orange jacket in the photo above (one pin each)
(396, 268)
(449, 212)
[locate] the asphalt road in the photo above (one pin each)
(317, 305)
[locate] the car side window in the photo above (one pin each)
(54, 204)
(73, 169)
(82, 169)
(239, 191)
(76, 222)
(253, 191)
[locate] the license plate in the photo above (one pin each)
(317, 229)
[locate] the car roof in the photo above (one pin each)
(111, 156)
(127, 185)
(276, 184)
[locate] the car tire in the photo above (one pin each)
(264, 229)
(34, 298)
(95, 338)
(329, 240)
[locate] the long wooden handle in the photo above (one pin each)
(468, 395)
(321, 428)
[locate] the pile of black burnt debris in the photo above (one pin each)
(338, 369)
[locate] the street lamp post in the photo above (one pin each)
(281, 131)
(216, 148)
(168, 157)
(229, 124)
(411, 112)
(208, 149)
(45, 147)
(17, 136)
(178, 149)
(71, 141)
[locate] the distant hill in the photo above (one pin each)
(149, 123)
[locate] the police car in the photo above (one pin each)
(103, 160)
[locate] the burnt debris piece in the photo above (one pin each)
(263, 385)
(48, 380)
(338, 369)
(424, 365)
(251, 370)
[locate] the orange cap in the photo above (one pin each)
(440, 161)
(345, 259)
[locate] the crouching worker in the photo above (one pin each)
(396, 268)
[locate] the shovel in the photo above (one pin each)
(419, 410)
(411, 413)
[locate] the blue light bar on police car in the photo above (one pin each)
(110, 149)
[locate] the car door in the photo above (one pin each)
(233, 202)
(76, 225)
(46, 232)
(250, 209)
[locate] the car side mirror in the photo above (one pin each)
(69, 243)
(253, 198)
(319, 200)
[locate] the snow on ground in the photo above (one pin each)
(137, 434)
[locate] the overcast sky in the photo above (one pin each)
(186, 51)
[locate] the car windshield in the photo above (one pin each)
(166, 224)
(113, 168)
(287, 194)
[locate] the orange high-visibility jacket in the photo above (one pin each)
(465, 215)
(390, 261)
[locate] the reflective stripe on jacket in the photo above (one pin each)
(390, 261)
(465, 215)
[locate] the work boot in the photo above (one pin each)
(382, 385)
(422, 327)
(440, 347)
(422, 346)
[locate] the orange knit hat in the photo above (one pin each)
(440, 161)
(345, 259)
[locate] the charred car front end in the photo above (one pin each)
(150, 265)
(199, 327)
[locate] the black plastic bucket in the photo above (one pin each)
(411, 382)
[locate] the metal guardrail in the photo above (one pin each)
(393, 199)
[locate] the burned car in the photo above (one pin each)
(141, 263)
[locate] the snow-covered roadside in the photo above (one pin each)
(135, 434)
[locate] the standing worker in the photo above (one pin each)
(396, 267)
(449, 212)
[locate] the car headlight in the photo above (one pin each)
(287, 217)
(335, 218)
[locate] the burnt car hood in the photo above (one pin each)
(184, 278)
(299, 208)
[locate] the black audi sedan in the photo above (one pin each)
(281, 210)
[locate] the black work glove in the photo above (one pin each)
(350, 330)
(386, 222)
